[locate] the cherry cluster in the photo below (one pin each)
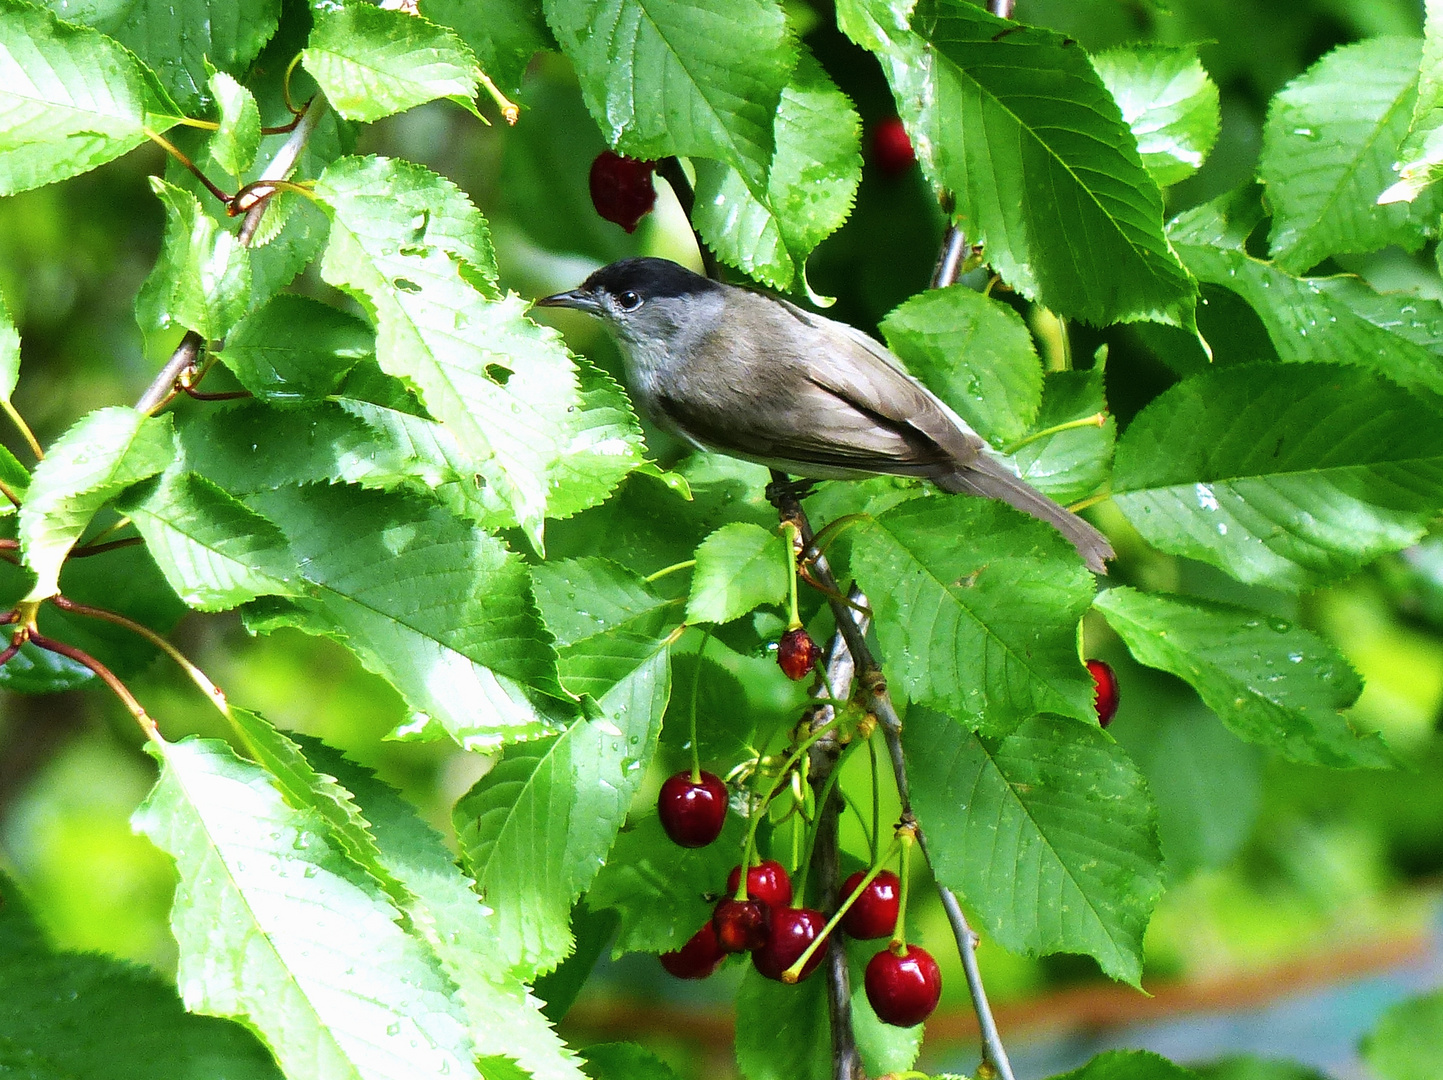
(903, 983)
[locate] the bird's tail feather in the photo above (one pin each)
(991, 479)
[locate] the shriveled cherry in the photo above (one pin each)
(767, 882)
(797, 653)
(891, 149)
(903, 990)
(1104, 690)
(698, 958)
(621, 188)
(874, 915)
(692, 812)
(792, 930)
(741, 925)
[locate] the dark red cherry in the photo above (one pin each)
(891, 149)
(692, 813)
(698, 958)
(792, 930)
(767, 882)
(874, 915)
(903, 990)
(741, 925)
(1104, 690)
(797, 653)
(621, 188)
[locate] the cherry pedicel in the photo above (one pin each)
(903, 990)
(621, 188)
(698, 958)
(692, 812)
(792, 930)
(741, 925)
(874, 914)
(767, 882)
(1104, 693)
(891, 149)
(797, 654)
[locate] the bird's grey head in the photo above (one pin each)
(645, 302)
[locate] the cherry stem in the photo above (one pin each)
(695, 693)
(760, 812)
(830, 531)
(685, 564)
(793, 973)
(509, 111)
(1093, 500)
(8, 493)
(826, 793)
(1097, 419)
(147, 725)
(876, 800)
(213, 693)
(100, 549)
(907, 835)
(25, 432)
(793, 546)
(286, 88)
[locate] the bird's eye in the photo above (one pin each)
(629, 301)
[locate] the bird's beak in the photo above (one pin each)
(574, 298)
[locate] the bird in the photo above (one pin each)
(743, 373)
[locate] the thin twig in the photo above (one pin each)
(107, 676)
(672, 172)
(879, 702)
(25, 432)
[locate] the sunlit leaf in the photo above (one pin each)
(1168, 102)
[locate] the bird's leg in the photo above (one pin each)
(783, 489)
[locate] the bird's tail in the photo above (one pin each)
(991, 479)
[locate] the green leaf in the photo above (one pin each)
(180, 39)
(996, 111)
(976, 608)
(660, 888)
(295, 350)
(9, 355)
(1048, 834)
(535, 830)
(692, 78)
(372, 62)
(726, 721)
(505, 1019)
(437, 607)
(1269, 681)
(975, 353)
(1072, 465)
(234, 146)
(412, 248)
(768, 230)
(70, 99)
(625, 1061)
(1322, 319)
(739, 567)
(607, 620)
(71, 1014)
(99, 457)
(202, 279)
(1420, 158)
(1243, 1067)
(1168, 102)
(1284, 474)
(1329, 144)
(1407, 1044)
(268, 915)
(601, 443)
(215, 552)
(504, 34)
(783, 1032)
(1128, 1065)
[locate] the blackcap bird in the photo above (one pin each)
(756, 377)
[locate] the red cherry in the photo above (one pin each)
(698, 958)
(767, 882)
(903, 990)
(797, 653)
(792, 930)
(1104, 690)
(692, 814)
(874, 915)
(891, 149)
(741, 925)
(621, 188)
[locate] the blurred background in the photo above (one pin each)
(1301, 902)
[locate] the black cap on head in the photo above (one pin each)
(648, 278)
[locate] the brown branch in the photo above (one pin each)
(671, 171)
